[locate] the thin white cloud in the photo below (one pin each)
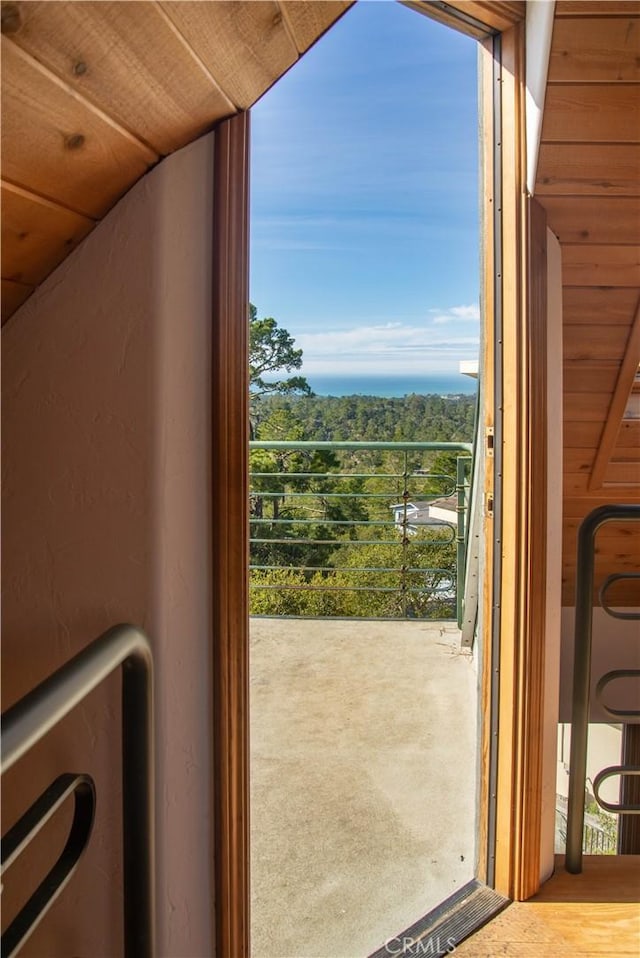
(392, 348)
(455, 314)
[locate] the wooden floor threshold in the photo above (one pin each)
(592, 915)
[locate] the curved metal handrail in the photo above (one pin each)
(26, 828)
(621, 715)
(604, 588)
(30, 719)
(585, 566)
(613, 771)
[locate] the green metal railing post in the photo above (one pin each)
(405, 537)
(461, 552)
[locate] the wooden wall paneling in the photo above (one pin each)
(230, 537)
(36, 234)
(307, 21)
(591, 342)
(245, 46)
(57, 145)
(586, 376)
(130, 61)
(594, 219)
(13, 295)
(598, 265)
(592, 305)
(610, 169)
(626, 376)
(589, 113)
(609, 53)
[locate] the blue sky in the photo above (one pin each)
(364, 223)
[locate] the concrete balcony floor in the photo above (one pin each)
(363, 755)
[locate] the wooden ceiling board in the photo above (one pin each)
(576, 507)
(600, 265)
(606, 342)
(629, 435)
(625, 379)
(597, 8)
(602, 170)
(480, 19)
(578, 461)
(309, 21)
(610, 54)
(586, 113)
(606, 534)
(578, 485)
(622, 473)
(582, 406)
(630, 595)
(36, 235)
(245, 46)
(130, 61)
(13, 295)
(598, 306)
(584, 376)
(594, 219)
(57, 145)
(578, 435)
(498, 14)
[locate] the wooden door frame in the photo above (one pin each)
(519, 539)
(230, 537)
(515, 624)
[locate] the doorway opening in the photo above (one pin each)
(365, 293)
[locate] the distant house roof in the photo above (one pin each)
(448, 502)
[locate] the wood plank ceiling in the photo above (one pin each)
(589, 183)
(94, 94)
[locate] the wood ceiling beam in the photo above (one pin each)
(626, 377)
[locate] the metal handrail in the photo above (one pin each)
(24, 831)
(306, 502)
(30, 719)
(585, 566)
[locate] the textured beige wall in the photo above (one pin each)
(106, 428)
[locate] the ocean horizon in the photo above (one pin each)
(429, 384)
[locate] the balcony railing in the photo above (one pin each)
(365, 529)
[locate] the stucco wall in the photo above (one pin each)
(106, 419)
(614, 645)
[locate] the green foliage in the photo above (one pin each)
(371, 418)
(272, 350)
